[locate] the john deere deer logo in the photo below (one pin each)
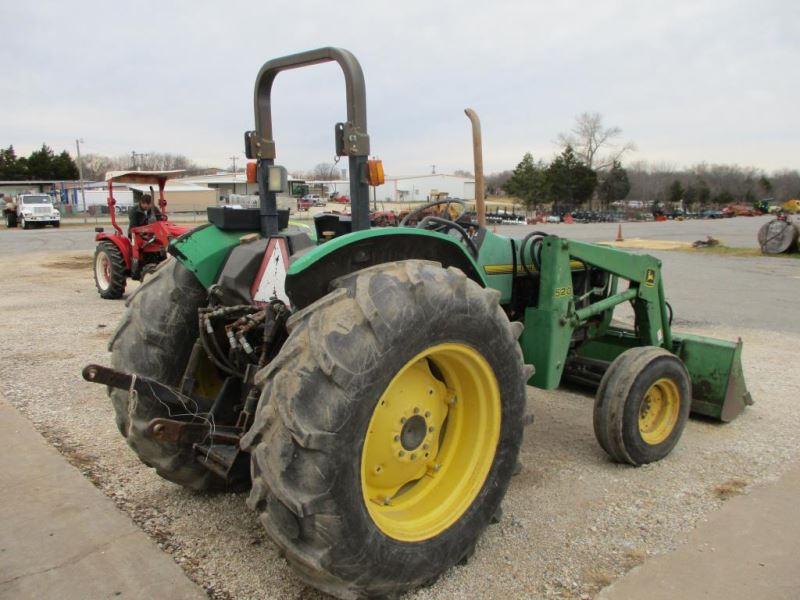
(650, 277)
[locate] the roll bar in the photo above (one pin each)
(352, 139)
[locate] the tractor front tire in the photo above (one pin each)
(642, 405)
(23, 222)
(155, 339)
(109, 271)
(11, 219)
(388, 429)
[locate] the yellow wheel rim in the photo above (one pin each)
(659, 411)
(430, 443)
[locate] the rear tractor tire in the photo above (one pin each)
(11, 219)
(109, 271)
(388, 429)
(155, 339)
(642, 405)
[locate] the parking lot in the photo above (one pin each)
(573, 521)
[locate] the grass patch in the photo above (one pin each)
(600, 577)
(633, 558)
(730, 488)
(721, 250)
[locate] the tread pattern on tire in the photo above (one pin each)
(609, 407)
(117, 278)
(154, 339)
(307, 405)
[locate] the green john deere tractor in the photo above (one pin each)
(368, 385)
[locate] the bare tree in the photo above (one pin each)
(495, 182)
(463, 173)
(589, 138)
(95, 166)
(325, 172)
(718, 184)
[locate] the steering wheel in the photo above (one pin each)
(445, 225)
(414, 214)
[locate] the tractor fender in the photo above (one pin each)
(310, 274)
(120, 242)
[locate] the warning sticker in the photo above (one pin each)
(270, 282)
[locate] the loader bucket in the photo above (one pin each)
(715, 366)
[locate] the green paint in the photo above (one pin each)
(548, 329)
(496, 251)
(323, 250)
(311, 231)
(205, 250)
(715, 367)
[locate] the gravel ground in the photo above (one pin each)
(573, 521)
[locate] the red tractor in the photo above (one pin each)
(118, 256)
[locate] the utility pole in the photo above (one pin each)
(233, 160)
(78, 143)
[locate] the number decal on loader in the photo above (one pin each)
(650, 277)
(564, 291)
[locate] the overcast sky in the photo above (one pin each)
(686, 81)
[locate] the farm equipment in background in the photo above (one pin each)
(740, 210)
(791, 206)
(369, 384)
(30, 210)
(118, 256)
(778, 236)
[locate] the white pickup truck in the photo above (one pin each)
(30, 210)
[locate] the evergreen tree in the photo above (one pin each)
(527, 182)
(690, 196)
(703, 194)
(675, 193)
(724, 197)
(11, 169)
(40, 163)
(64, 168)
(615, 185)
(569, 182)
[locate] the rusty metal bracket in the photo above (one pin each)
(143, 386)
(258, 147)
(350, 140)
(189, 432)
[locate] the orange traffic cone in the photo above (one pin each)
(619, 234)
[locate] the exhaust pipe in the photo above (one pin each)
(477, 157)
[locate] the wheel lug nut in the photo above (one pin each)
(397, 438)
(425, 446)
(402, 419)
(416, 410)
(413, 457)
(430, 429)
(427, 414)
(401, 453)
